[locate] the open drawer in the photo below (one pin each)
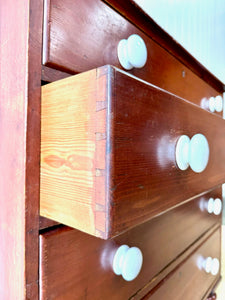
(109, 151)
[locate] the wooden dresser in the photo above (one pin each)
(112, 165)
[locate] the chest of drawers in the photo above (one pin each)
(104, 144)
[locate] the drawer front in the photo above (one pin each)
(190, 281)
(75, 265)
(108, 151)
(82, 35)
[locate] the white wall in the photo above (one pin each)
(198, 25)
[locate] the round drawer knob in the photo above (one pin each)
(217, 206)
(127, 262)
(208, 264)
(215, 267)
(211, 265)
(210, 205)
(216, 104)
(214, 206)
(192, 152)
(132, 53)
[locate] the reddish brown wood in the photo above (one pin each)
(84, 262)
(98, 31)
(143, 126)
(49, 75)
(170, 268)
(20, 73)
(46, 223)
(131, 11)
(212, 296)
(188, 281)
(32, 184)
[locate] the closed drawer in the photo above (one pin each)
(81, 35)
(108, 147)
(75, 265)
(190, 281)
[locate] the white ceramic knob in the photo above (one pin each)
(127, 262)
(210, 205)
(215, 266)
(207, 264)
(216, 104)
(217, 207)
(192, 152)
(214, 206)
(211, 265)
(132, 53)
(212, 104)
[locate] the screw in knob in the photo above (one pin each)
(211, 265)
(132, 53)
(214, 206)
(127, 262)
(192, 152)
(215, 103)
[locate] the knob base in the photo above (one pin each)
(123, 56)
(182, 152)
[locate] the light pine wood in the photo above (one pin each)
(73, 144)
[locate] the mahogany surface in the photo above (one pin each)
(20, 76)
(189, 281)
(137, 128)
(82, 35)
(20, 40)
(212, 296)
(46, 223)
(145, 125)
(50, 75)
(82, 266)
(134, 13)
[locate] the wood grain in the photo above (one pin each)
(73, 164)
(189, 281)
(128, 153)
(145, 126)
(12, 230)
(20, 75)
(98, 31)
(83, 264)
